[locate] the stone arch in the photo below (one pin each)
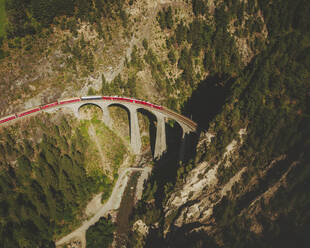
(125, 124)
(90, 104)
(122, 106)
(152, 128)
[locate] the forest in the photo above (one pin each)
(101, 234)
(30, 16)
(265, 92)
(270, 97)
(47, 178)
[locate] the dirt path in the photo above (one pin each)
(94, 205)
(112, 204)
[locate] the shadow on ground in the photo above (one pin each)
(208, 99)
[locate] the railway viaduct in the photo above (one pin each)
(132, 106)
(161, 116)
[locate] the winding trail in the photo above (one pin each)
(112, 204)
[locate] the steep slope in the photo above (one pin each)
(247, 186)
(238, 68)
(50, 169)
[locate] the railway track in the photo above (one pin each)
(186, 121)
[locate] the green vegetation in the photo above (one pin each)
(119, 87)
(49, 171)
(270, 98)
(120, 118)
(244, 65)
(101, 234)
(114, 152)
(165, 18)
(104, 160)
(147, 125)
(197, 48)
(2, 19)
(29, 17)
(274, 104)
(45, 191)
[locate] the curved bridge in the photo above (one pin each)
(132, 106)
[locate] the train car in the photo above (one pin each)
(28, 112)
(49, 105)
(158, 107)
(149, 104)
(107, 98)
(145, 103)
(8, 118)
(87, 98)
(72, 100)
(127, 99)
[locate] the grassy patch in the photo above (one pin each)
(105, 151)
(145, 124)
(92, 153)
(120, 122)
(112, 147)
(2, 18)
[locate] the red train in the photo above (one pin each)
(73, 100)
(53, 104)
(8, 119)
(28, 112)
(117, 98)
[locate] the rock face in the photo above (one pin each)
(141, 227)
(201, 190)
(204, 203)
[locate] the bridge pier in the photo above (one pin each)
(104, 108)
(75, 110)
(106, 116)
(182, 148)
(135, 138)
(184, 140)
(160, 142)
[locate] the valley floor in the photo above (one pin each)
(112, 204)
